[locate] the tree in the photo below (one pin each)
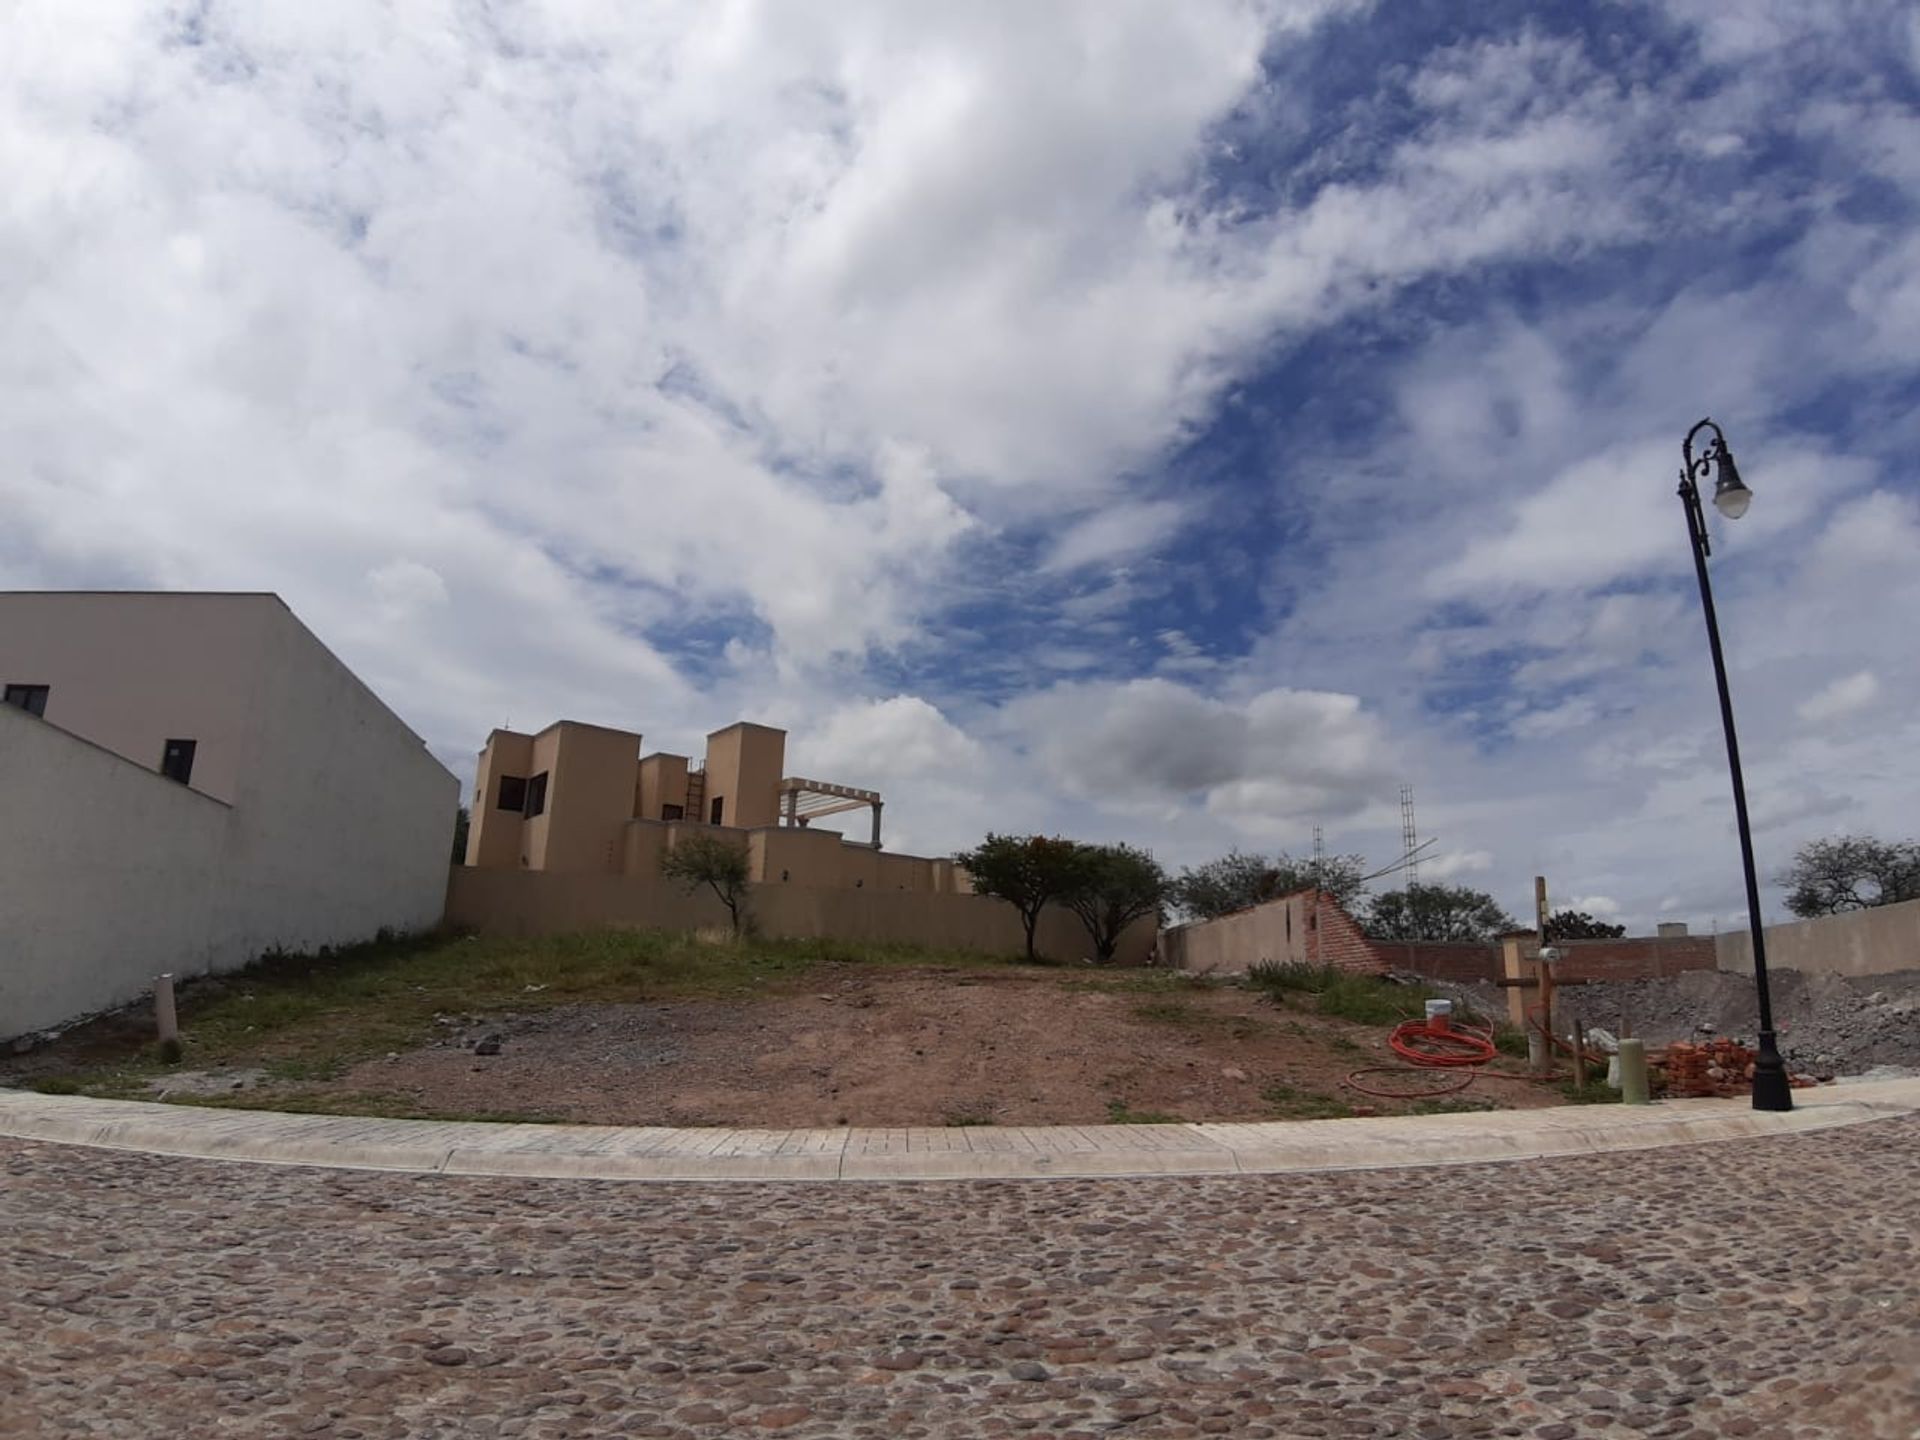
(701, 857)
(1025, 871)
(1851, 872)
(460, 836)
(1114, 886)
(1578, 925)
(1235, 881)
(1436, 912)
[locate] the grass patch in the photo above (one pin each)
(963, 1116)
(1510, 1040)
(1288, 1103)
(1146, 980)
(1177, 1012)
(1449, 1105)
(1363, 999)
(57, 1085)
(385, 1104)
(1594, 1092)
(1118, 1113)
(308, 1018)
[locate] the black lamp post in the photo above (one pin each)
(1771, 1090)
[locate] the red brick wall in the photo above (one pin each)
(1338, 941)
(1458, 961)
(1633, 959)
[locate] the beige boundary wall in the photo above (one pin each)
(1859, 942)
(535, 902)
(107, 875)
(1298, 929)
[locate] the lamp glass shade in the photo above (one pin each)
(1730, 497)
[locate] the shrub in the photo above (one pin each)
(1275, 977)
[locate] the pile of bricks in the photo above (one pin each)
(1713, 1067)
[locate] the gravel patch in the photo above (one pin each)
(1765, 1289)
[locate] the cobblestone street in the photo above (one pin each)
(1759, 1289)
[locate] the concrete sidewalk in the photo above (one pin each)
(974, 1152)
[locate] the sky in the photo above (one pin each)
(1179, 424)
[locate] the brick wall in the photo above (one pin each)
(1459, 961)
(1633, 959)
(1339, 941)
(1627, 959)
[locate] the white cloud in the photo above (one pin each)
(657, 365)
(1452, 864)
(1117, 533)
(1267, 765)
(1846, 696)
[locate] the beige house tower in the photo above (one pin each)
(583, 799)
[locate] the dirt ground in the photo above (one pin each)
(921, 1046)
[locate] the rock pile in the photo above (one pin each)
(1719, 1067)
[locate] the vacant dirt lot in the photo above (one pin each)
(922, 1046)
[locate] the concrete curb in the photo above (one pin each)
(973, 1153)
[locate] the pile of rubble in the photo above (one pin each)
(1718, 1067)
(1827, 1024)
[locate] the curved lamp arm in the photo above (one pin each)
(1731, 497)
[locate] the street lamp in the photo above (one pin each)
(1771, 1089)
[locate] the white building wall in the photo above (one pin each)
(340, 823)
(346, 819)
(107, 877)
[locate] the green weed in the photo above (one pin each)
(1118, 1113)
(1594, 1092)
(311, 1017)
(1288, 1103)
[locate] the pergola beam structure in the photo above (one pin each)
(803, 800)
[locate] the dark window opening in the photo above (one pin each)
(30, 698)
(176, 761)
(536, 796)
(673, 812)
(513, 792)
(716, 810)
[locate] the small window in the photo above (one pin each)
(673, 812)
(30, 698)
(176, 760)
(716, 810)
(536, 796)
(513, 792)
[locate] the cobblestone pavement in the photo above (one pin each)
(1759, 1289)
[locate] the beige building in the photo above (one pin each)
(190, 780)
(583, 799)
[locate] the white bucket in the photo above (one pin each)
(1439, 1010)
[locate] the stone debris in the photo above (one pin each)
(1826, 1024)
(1644, 1294)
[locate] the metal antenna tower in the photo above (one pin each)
(1319, 857)
(1409, 839)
